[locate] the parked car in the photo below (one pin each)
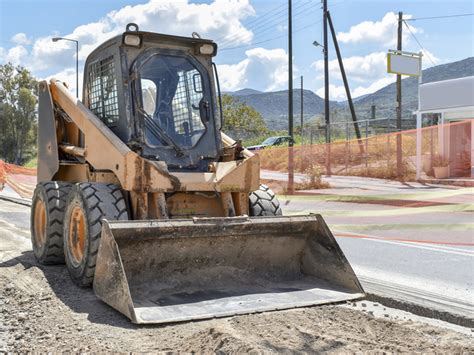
(271, 142)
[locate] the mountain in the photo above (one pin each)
(245, 92)
(274, 105)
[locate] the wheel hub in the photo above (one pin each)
(77, 235)
(40, 224)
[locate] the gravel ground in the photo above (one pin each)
(41, 310)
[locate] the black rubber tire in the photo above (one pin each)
(53, 194)
(97, 201)
(264, 202)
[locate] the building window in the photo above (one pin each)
(102, 91)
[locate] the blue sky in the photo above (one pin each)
(251, 36)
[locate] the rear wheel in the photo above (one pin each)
(88, 204)
(47, 216)
(264, 202)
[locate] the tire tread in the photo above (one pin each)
(102, 201)
(55, 199)
(263, 202)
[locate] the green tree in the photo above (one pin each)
(18, 99)
(241, 121)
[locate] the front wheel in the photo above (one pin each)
(88, 204)
(47, 216)
(263, 202)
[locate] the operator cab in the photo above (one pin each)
(169, 107)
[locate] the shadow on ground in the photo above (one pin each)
(79, 300)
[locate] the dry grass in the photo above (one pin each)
(313, 180)
(375, 158)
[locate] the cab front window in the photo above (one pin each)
(174, 101)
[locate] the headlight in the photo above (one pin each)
(132, 40)
(207, 49)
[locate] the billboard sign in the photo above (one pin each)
(404, 63)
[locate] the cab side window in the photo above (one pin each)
(102, 91)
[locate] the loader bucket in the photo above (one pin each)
(176, 270)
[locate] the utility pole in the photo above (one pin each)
(399, 99)
(301, 109)
(290, 102)
(326, 87)
(346, 84)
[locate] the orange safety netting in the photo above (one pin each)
(20, 179)
(444, 151)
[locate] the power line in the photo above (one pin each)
(257, 21)
(269, 23)
(268, 28)
(270, 39)
(437, 17)
(417, 41)
(303, 11)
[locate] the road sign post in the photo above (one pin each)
(402, 63)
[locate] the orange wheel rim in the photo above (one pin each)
(40, 224)
(77, 234)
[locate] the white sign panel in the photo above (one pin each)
(403, 64)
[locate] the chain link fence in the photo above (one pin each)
(447, 146)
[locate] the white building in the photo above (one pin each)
(452, 101)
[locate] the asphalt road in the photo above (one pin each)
(409, 241)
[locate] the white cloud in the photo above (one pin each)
(263, 69)
(373, 87)
(358, 68)
(232, 76)
(68, 76)
(337, 93)
(429, 59)
(219, 19)
(21, 38)
(383, 31)
(15, 55)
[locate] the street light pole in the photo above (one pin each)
(56, 39)
(326, 87)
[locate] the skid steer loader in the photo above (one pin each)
(143, 196)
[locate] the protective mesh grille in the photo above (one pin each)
(184, 99)
(102, 91)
